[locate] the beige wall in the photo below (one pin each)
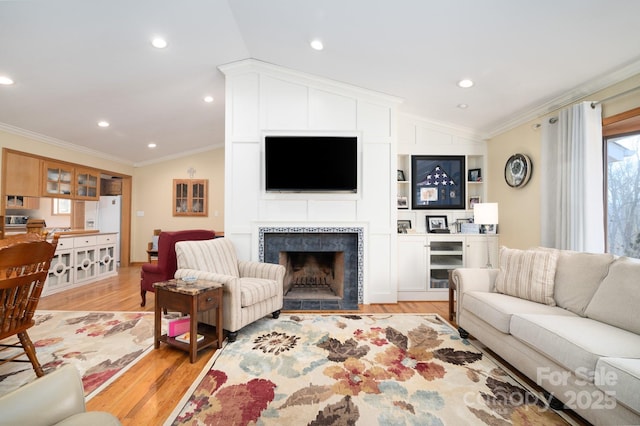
(520, 208)
(153, 192)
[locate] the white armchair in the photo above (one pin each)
(251, 291)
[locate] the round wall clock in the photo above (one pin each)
(517, 171)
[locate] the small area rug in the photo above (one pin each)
(101, 345)
(395, 369)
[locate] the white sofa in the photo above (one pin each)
(569, 321)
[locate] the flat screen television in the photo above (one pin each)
(311, 163)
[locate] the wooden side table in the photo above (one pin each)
(191, 298)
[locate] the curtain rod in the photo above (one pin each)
(553, 120)
(593, 104)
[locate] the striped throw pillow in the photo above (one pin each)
(527, 274)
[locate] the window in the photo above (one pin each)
(622, 153)
(61, 206)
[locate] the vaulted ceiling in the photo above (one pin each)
(76, 62)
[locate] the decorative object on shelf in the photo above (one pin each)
(438, 182)
(517, 170)
(404, 226)
(475, 175)
(401, 176)
(469, 228)
(486, 214)
(437, 224)
(403, 203)
(473, 200)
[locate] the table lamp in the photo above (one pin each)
(486, 214)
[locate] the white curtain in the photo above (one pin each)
(572, 209)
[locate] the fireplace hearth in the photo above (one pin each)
(324, 265)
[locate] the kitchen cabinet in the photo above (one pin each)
(190, 197)
(57, 180)
(87, 184)
(61, 268)
(424, 261)
(22, 174)
(20, 202)
(81, 260)
(106, 252)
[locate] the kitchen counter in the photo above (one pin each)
(76, 232)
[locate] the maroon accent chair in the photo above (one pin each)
(167, 264)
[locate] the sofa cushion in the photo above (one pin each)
(254, 290)
(578, 276)
(497, 309)
(620, 378)
(574, 342)
(528, 274)
(217, 255)
(617, 299)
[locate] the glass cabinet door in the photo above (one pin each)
(87, 182)
(181, 198)
(58, 179)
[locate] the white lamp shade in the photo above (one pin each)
(485, 213)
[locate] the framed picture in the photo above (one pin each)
(488, 229)
(437, 224)
(403, 203)
(474, 199)
(404, 226)
(438, 182)
(401, 176)
(475, 175)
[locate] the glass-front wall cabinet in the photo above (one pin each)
(190, 197)
(58, 179)
(87, 184)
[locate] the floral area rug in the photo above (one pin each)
(101, 345)
(356, 370)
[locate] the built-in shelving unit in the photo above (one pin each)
(424, 261)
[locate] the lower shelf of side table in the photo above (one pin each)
(210, 338)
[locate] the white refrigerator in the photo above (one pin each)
(105, 216)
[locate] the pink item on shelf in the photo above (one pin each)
(178, 326)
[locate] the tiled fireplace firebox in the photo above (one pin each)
(348, 241)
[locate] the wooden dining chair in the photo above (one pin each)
(24, 265)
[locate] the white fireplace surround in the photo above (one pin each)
(261, 230)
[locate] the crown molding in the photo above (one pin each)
(578, 93)
(180, 155)
(61, 144)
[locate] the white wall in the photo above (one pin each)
(265, 98)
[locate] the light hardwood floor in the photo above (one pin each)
(150, 390)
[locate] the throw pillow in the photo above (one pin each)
(527, 274)
(617, 299)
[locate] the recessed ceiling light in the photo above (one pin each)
(103, 123)
(152, 145)
(208, 99)
(317, 44)
(5, 81)
(465, 84)
(463, 106)
(159, 43)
